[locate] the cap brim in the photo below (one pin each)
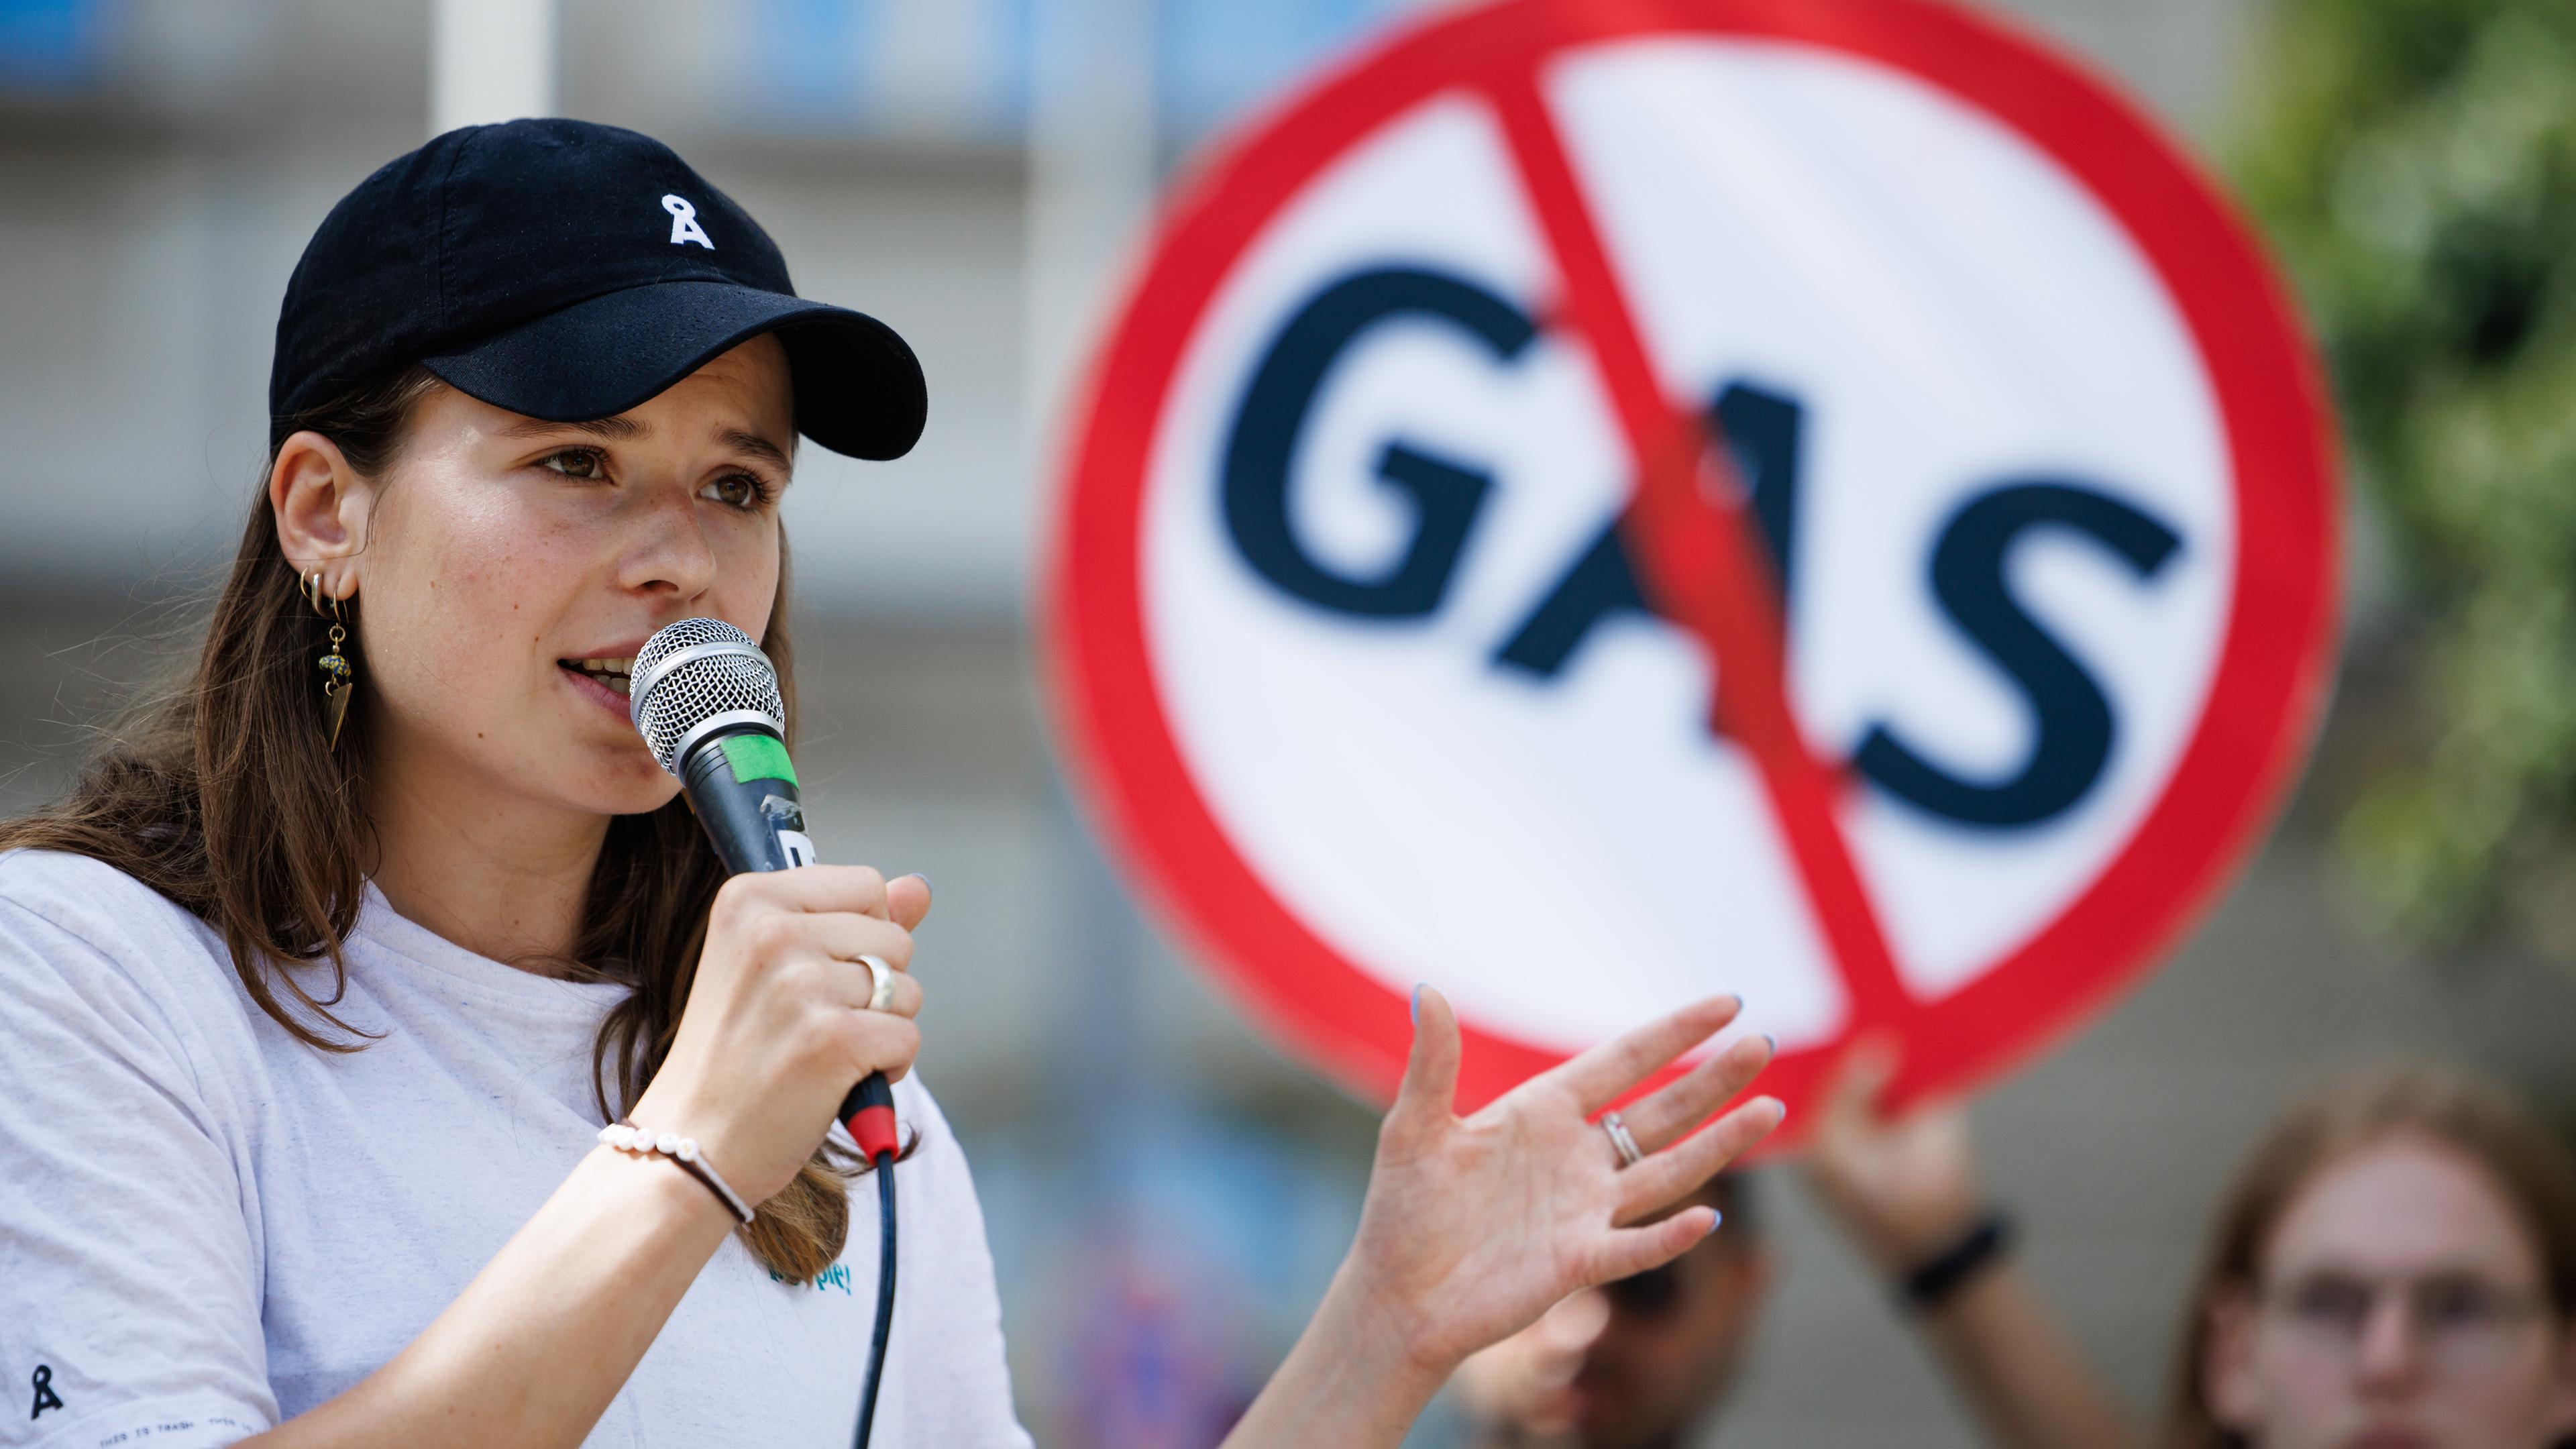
(859, 389)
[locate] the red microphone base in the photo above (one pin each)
(873, 1129)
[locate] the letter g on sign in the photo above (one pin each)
(1261, 452)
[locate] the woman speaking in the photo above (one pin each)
(327, 977)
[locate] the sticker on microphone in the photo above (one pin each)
(787, 819)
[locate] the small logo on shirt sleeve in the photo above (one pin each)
(684, 222)
(46, 1398)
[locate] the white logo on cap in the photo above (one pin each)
(684, 222)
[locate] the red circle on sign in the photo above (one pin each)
(2276, 648)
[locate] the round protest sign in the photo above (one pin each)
(1590, 506)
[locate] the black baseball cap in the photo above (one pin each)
(570, 271)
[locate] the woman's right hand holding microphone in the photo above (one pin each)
(775, 1032)
(777, 1027)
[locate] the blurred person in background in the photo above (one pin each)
(317, 1009)
(1637, 1361)
(2394, 1267)
(1645, 1363)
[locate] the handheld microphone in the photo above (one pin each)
(706, 701)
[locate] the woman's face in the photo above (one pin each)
(2402, 1306)
(512, 568)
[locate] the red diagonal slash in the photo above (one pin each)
(1686, 528)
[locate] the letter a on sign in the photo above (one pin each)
(1594, 506)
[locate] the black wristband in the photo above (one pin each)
(1937, 1278)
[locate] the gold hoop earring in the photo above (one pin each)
(338, 681)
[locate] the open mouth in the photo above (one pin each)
(611, 672)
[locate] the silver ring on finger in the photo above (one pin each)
(1629, 1156)
(881, 976)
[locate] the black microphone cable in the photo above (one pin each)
(885, 1304)
(869, 1113)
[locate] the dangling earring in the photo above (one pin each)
(337, 683)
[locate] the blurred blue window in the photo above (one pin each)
(50, 44)
(1220, 57)
(943, 69)
(959, 69)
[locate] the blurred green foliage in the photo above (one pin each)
(2415, 163)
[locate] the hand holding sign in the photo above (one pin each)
(1904, 1187)
(1792, 477)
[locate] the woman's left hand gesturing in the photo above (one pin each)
(1475, 1226)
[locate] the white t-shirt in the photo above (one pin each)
(208, 1227)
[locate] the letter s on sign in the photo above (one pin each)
(1261, 451)
(2072, 725)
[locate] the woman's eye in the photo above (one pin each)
(576, 463)
(738, 490)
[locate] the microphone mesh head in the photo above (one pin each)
(673, 699)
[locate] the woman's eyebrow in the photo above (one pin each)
(757, 446)
(620, 427)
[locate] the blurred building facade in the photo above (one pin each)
(975, 172)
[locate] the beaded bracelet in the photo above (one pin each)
(627, 1137)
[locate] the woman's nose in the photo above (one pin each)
(668, 550)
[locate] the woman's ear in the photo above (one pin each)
(322, 505)
(2228, 1379)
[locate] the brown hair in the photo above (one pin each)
(220, 795)
(2530, 1168)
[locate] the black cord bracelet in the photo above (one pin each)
(1938, 1278)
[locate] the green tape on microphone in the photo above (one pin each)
(757, 756)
